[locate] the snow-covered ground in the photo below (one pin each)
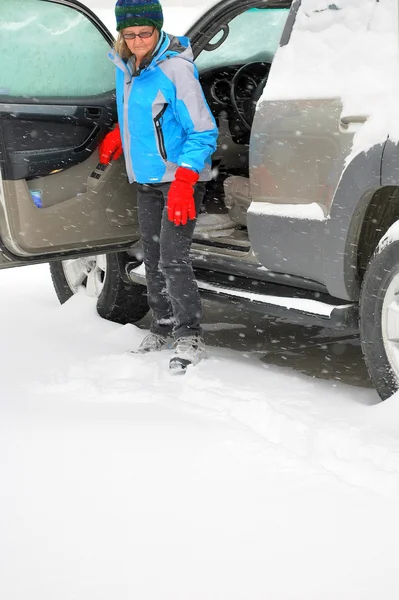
(240, 480)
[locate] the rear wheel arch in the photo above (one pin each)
(359, 183)
(381, 212)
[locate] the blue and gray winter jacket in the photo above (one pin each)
(164, 119)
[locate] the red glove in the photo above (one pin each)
(181, 196)
(111, 146)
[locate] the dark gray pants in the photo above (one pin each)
(171, 286)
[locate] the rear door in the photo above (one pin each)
(57, 100)
(315, 102)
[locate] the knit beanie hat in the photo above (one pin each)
(138, 12)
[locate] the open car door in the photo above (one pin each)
(57, 100)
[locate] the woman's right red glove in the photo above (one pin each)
(111, 146)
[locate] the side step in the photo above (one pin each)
(295, 305)
(229, 239)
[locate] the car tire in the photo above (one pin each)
(118, 300)
(379, 318)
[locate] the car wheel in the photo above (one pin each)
(379, 317)
(101, 277)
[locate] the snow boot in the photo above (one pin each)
(153, 342)
(189, 350)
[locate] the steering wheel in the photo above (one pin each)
(245, 103)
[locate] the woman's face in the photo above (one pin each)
(140, 46)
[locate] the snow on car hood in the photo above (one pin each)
(344, 49)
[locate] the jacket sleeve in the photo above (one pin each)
(194, 114)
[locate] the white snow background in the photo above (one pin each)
(239, 480)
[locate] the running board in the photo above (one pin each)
(294, 305)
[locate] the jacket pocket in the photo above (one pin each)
(158, 129)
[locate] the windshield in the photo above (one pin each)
(254, 35)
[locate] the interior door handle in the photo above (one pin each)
(92, 112)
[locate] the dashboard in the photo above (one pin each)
(234, 88)
(232, 92)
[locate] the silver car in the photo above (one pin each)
(300, 218)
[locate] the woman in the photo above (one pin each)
(168, 135)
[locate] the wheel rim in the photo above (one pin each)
(86, 274)
(390, 324)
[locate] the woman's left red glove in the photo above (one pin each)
(181, 203)
(111, 146)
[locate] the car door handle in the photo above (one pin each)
(347, 120)
(92, 112)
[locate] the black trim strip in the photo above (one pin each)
(208, 242)
(289, 25)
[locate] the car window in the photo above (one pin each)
(254, 35)
(49, 49)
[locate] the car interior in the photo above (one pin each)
(234, 67)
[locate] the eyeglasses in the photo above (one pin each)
(143, 35)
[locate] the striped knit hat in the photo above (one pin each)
(138, 12)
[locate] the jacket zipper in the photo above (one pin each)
(158, 129)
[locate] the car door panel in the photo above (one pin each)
(49, 139)
(297, 157)
(40, 138)
(298, 150)
(70, 220)
(314, 123)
